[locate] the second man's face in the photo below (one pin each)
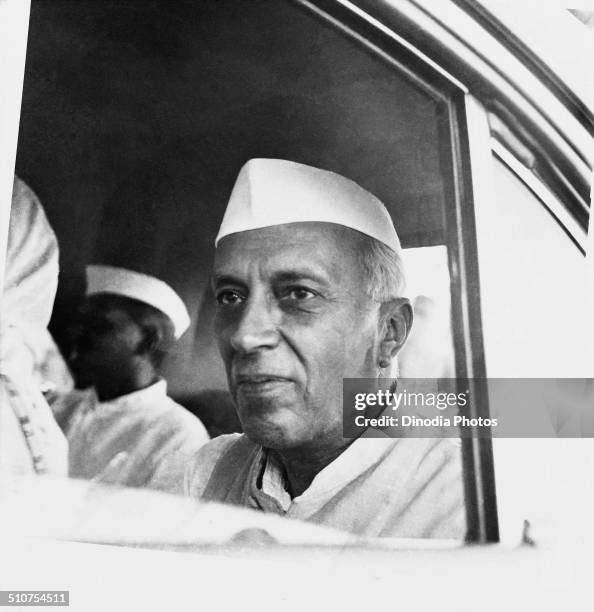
(105, 342)
(293, 319)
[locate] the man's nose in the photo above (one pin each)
(257, 328)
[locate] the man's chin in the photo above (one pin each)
(274, 430)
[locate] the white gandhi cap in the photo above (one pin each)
(275, 191)
(147, 289)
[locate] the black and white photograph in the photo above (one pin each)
(297, 304)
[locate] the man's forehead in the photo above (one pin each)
(314, 247)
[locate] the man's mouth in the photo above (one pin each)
(258, 384)
(260, 379)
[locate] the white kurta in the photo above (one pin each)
(30, 440)
(378, 487)
(143, 439)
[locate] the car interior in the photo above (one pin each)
(133, 129)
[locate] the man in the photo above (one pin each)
(30, 440)
(308, 281)
(124, 429)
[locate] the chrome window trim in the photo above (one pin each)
(519, 26)
(576, 231)
(312, 5)
(590, 278)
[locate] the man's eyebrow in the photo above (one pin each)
(225, 279)
(285, 276)
(282, 276)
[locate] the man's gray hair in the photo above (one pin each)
(383, 268)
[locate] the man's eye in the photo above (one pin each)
(229, 298)
(299, 294)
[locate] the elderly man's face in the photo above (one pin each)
(293, 319)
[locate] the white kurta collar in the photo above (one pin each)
(137, 399)
(357, 458)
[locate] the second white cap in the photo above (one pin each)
(142, 287)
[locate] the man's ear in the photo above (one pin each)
(397, 317)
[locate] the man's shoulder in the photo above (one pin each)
(235, 444)
(166, 426)
(428, 452)
(234, 448)
(419, 484)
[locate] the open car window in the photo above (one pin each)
(136, 118)
(167, 104)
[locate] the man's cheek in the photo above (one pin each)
(326, 382)
(224, 327)
(225, 350)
